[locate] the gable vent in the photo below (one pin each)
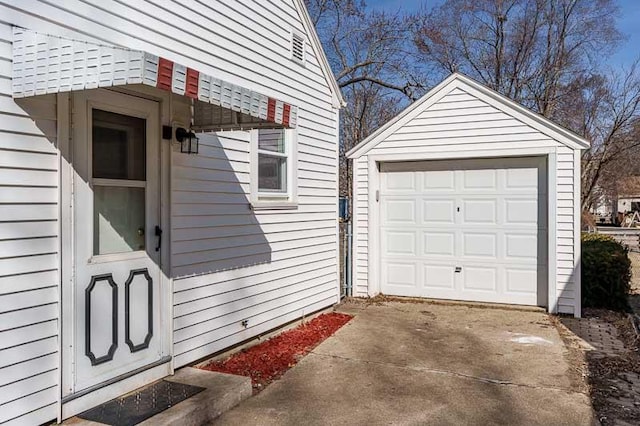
(297, 48)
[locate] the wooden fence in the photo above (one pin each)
(628, 237)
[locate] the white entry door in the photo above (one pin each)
(470, 230)
(119, 299)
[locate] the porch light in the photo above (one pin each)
(188, 141)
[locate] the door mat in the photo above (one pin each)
(142, 404)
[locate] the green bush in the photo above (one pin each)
(606, 273)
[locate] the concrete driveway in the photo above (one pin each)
(422, 363)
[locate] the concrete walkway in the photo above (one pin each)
(420, 363)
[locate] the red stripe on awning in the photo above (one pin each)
(271, 110)
(191, 89)
(165, 74)
(286, 113)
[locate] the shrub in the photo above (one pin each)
(606, 273)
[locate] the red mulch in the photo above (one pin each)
(269, 360)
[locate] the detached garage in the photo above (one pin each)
(467, 195)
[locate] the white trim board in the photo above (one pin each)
(374, 161)
(473, 88)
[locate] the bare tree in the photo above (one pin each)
(528, 50)
(374, 61)
(549, 56)
(611, 121)
(546, 54)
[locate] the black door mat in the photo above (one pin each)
(142, 404)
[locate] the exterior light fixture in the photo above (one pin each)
(188, 141)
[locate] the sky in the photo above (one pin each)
(628, 23)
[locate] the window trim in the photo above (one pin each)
(265, 200)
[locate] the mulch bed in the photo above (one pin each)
(269, 360)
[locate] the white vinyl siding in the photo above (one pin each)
(230, 263)
(28, 252)
(360, 226)
(461, 122)
(565, 256)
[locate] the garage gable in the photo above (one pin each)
(460, 111)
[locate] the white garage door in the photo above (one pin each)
(466, 230)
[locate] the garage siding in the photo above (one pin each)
(361, 223)
(565, 230)
(461, 122)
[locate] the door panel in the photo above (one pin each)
(467, 230)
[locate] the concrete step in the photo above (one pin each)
(222, 392)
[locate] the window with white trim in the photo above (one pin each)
(273, 168)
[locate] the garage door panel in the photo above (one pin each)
(438, 243)
(439, 180)
(487, 217)
(517, 180)
(399, 211)
(480, 245)
(522, 281)
(521, 247)
(521, 211)
(401, 274)
(404, 181)
(438, 211)
(439, 277)
(477, 278)
(399, 243)
(485, 180)
(476, 211)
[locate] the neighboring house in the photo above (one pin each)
(628, 195)
(467, 195)
(123, 257)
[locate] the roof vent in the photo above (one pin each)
(297, 47)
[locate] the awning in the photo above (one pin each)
(45, 64)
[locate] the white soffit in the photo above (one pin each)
(44, 64)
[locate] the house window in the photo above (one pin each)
(297, 47)
(273, 180)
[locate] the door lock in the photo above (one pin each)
(158, 234)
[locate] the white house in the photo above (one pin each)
(127, 247)
(467, 195)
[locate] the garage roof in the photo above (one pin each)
(495, 99)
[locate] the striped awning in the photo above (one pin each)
(45, 64)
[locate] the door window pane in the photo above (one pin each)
(119, 146)
(118, 219)
(272, 173)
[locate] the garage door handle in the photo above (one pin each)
(458, 268)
